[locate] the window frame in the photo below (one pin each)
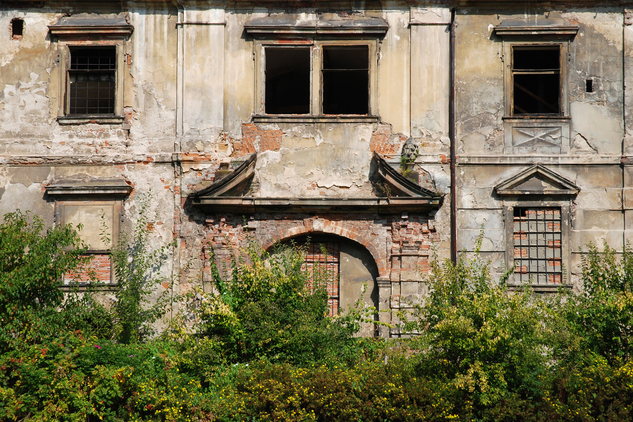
(508, 48)
(64, 115)
(533, 72)
(86, 31)
(316, 79)
(565, 231)
(70, 71)
(61, 215)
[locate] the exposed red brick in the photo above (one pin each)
(255, 139)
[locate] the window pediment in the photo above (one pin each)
(316, 25)
(91, 26)
(540, 29)
(229, 194)
(537, 180)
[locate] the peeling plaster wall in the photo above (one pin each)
(189, 106)
(592, 157)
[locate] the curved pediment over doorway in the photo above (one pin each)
(232, 194)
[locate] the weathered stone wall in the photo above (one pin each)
(190, 110)
(589, 157)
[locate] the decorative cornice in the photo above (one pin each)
(89, 187)
(91, 27)
(285, 25)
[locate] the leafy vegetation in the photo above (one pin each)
(260, 346)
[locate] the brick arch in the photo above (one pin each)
(336, 230)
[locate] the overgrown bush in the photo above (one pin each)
(490, 344)
(269, 307)
(602, 314)
(32, 263)
(263, 348)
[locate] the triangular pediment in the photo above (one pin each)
(537, 180)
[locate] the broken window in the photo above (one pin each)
(92, 80)
(345, 80)
(537, 246)
(288, 80)
(317, 79)
(536, 75)
(17, 29)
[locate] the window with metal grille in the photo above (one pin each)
(322, 262)
(92, 80)
(536, 80)
(537, 246)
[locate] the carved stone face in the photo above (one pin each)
(410, 150)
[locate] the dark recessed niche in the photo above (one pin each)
(17, 29)
(589, 85)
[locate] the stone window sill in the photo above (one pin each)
(315, 119)
(535, 117)
(90, 119)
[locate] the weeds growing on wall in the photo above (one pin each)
(141, 298)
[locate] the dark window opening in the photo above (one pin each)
(17, 29)
(346, 80)
(589, 85)
(92, 80)
(537, 246)
(287, 80)
(536, 79)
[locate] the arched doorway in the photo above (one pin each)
(353, 271)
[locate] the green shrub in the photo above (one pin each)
(602, 314)
(32, 263)
(140, 297)
(490, 344)
(269, 307)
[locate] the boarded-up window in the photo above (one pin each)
(322, 262)
(97, 227)
(537, 246)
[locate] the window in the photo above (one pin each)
(97, 219)
(96, 207)
(535, 59)
(319, 67)
(17, 29)
(288, 80)
(91, 80)
(537, 246)
(91, 68)
(342, 78)
(324, 259)
(536, 80)
(345, 80)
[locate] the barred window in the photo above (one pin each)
(92, 80)
(322, 260)
(537, 246)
